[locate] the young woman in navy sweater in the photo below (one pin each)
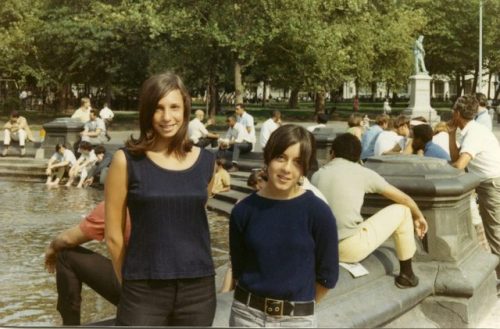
(167, 272)
(283, 240)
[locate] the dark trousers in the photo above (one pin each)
(177, 302)
(76, 266)
(233, 153)
(205, 141)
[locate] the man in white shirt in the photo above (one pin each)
(479, 152)
(94, 130)
(482, 116)
(393, 141)
(237, 141)
(83, 113)
(62, 160)
(198, 132)
(107, 116)
(268, 127)
(247, 121)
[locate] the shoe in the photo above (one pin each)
(108, 137)
(23, 151)
(403, 281)
(4, 152)
(234, 168)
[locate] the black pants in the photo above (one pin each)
(178, 302)
(205, 141)
(76, 266)
(233, 153)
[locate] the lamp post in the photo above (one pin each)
(480, 71)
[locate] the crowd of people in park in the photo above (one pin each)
(286, 238)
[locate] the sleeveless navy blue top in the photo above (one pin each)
(170, 237)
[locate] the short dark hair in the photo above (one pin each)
(84, 145)
(321, 118)
(99, 149)
(59, 146)
(231, 116)
(466, 106)
(346, 146)
(423, 132)
(241, 105)
(286, 136)
(94, 112)
(14, 114)
(481, 99)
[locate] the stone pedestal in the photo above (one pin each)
(61, 130)
(465, 282)
(420, 98)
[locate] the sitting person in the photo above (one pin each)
(198, 132)
(75, 265)
(94, 130)
(422, 143)
(98, 172)
(222, 180)
(16, 129)
(321, 121)
(370, 136)
(237, 141)
(60, 162)
(355, 124)
(393, 140)
(83, 112)
(344, 182)
(83, 164)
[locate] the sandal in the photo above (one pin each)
(404, 281)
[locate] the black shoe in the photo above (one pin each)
(108, 137)
(403, 281)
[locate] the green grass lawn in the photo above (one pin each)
(129, 120)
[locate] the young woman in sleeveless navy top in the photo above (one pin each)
(167, 272)
(283, 240)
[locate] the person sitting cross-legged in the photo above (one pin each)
(237, 141)
(344, 183)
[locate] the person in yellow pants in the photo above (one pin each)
(344, 183)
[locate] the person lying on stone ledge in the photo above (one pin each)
(344, 183)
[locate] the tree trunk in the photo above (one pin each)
(213, 98)
(489, 84)
(356, 86)
(108, 90)
(264, 87)
(474, 82)
(238, 82)
(463, 83)
(319, 102)
(373, 90)
(458, 82)
(293, 102)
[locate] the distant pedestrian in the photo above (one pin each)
(107, 116)
(387, 107)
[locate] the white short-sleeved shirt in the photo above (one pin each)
(344, 184)
(442, 139)
(482, 145)
(196, 130)
(82, 114)
(106, 113)
(93, 125)
(266, 130)
(386, 141)
(484, 118)
(247, 121)
(238, 133)
(66, 156)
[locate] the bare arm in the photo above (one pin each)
(321, 292)
(462, 161)
(69, 238)
(400, 197)
(115, 193)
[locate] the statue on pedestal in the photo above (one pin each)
(419, 52)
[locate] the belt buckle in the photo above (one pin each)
(273, 306)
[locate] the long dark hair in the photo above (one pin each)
(152, 91)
